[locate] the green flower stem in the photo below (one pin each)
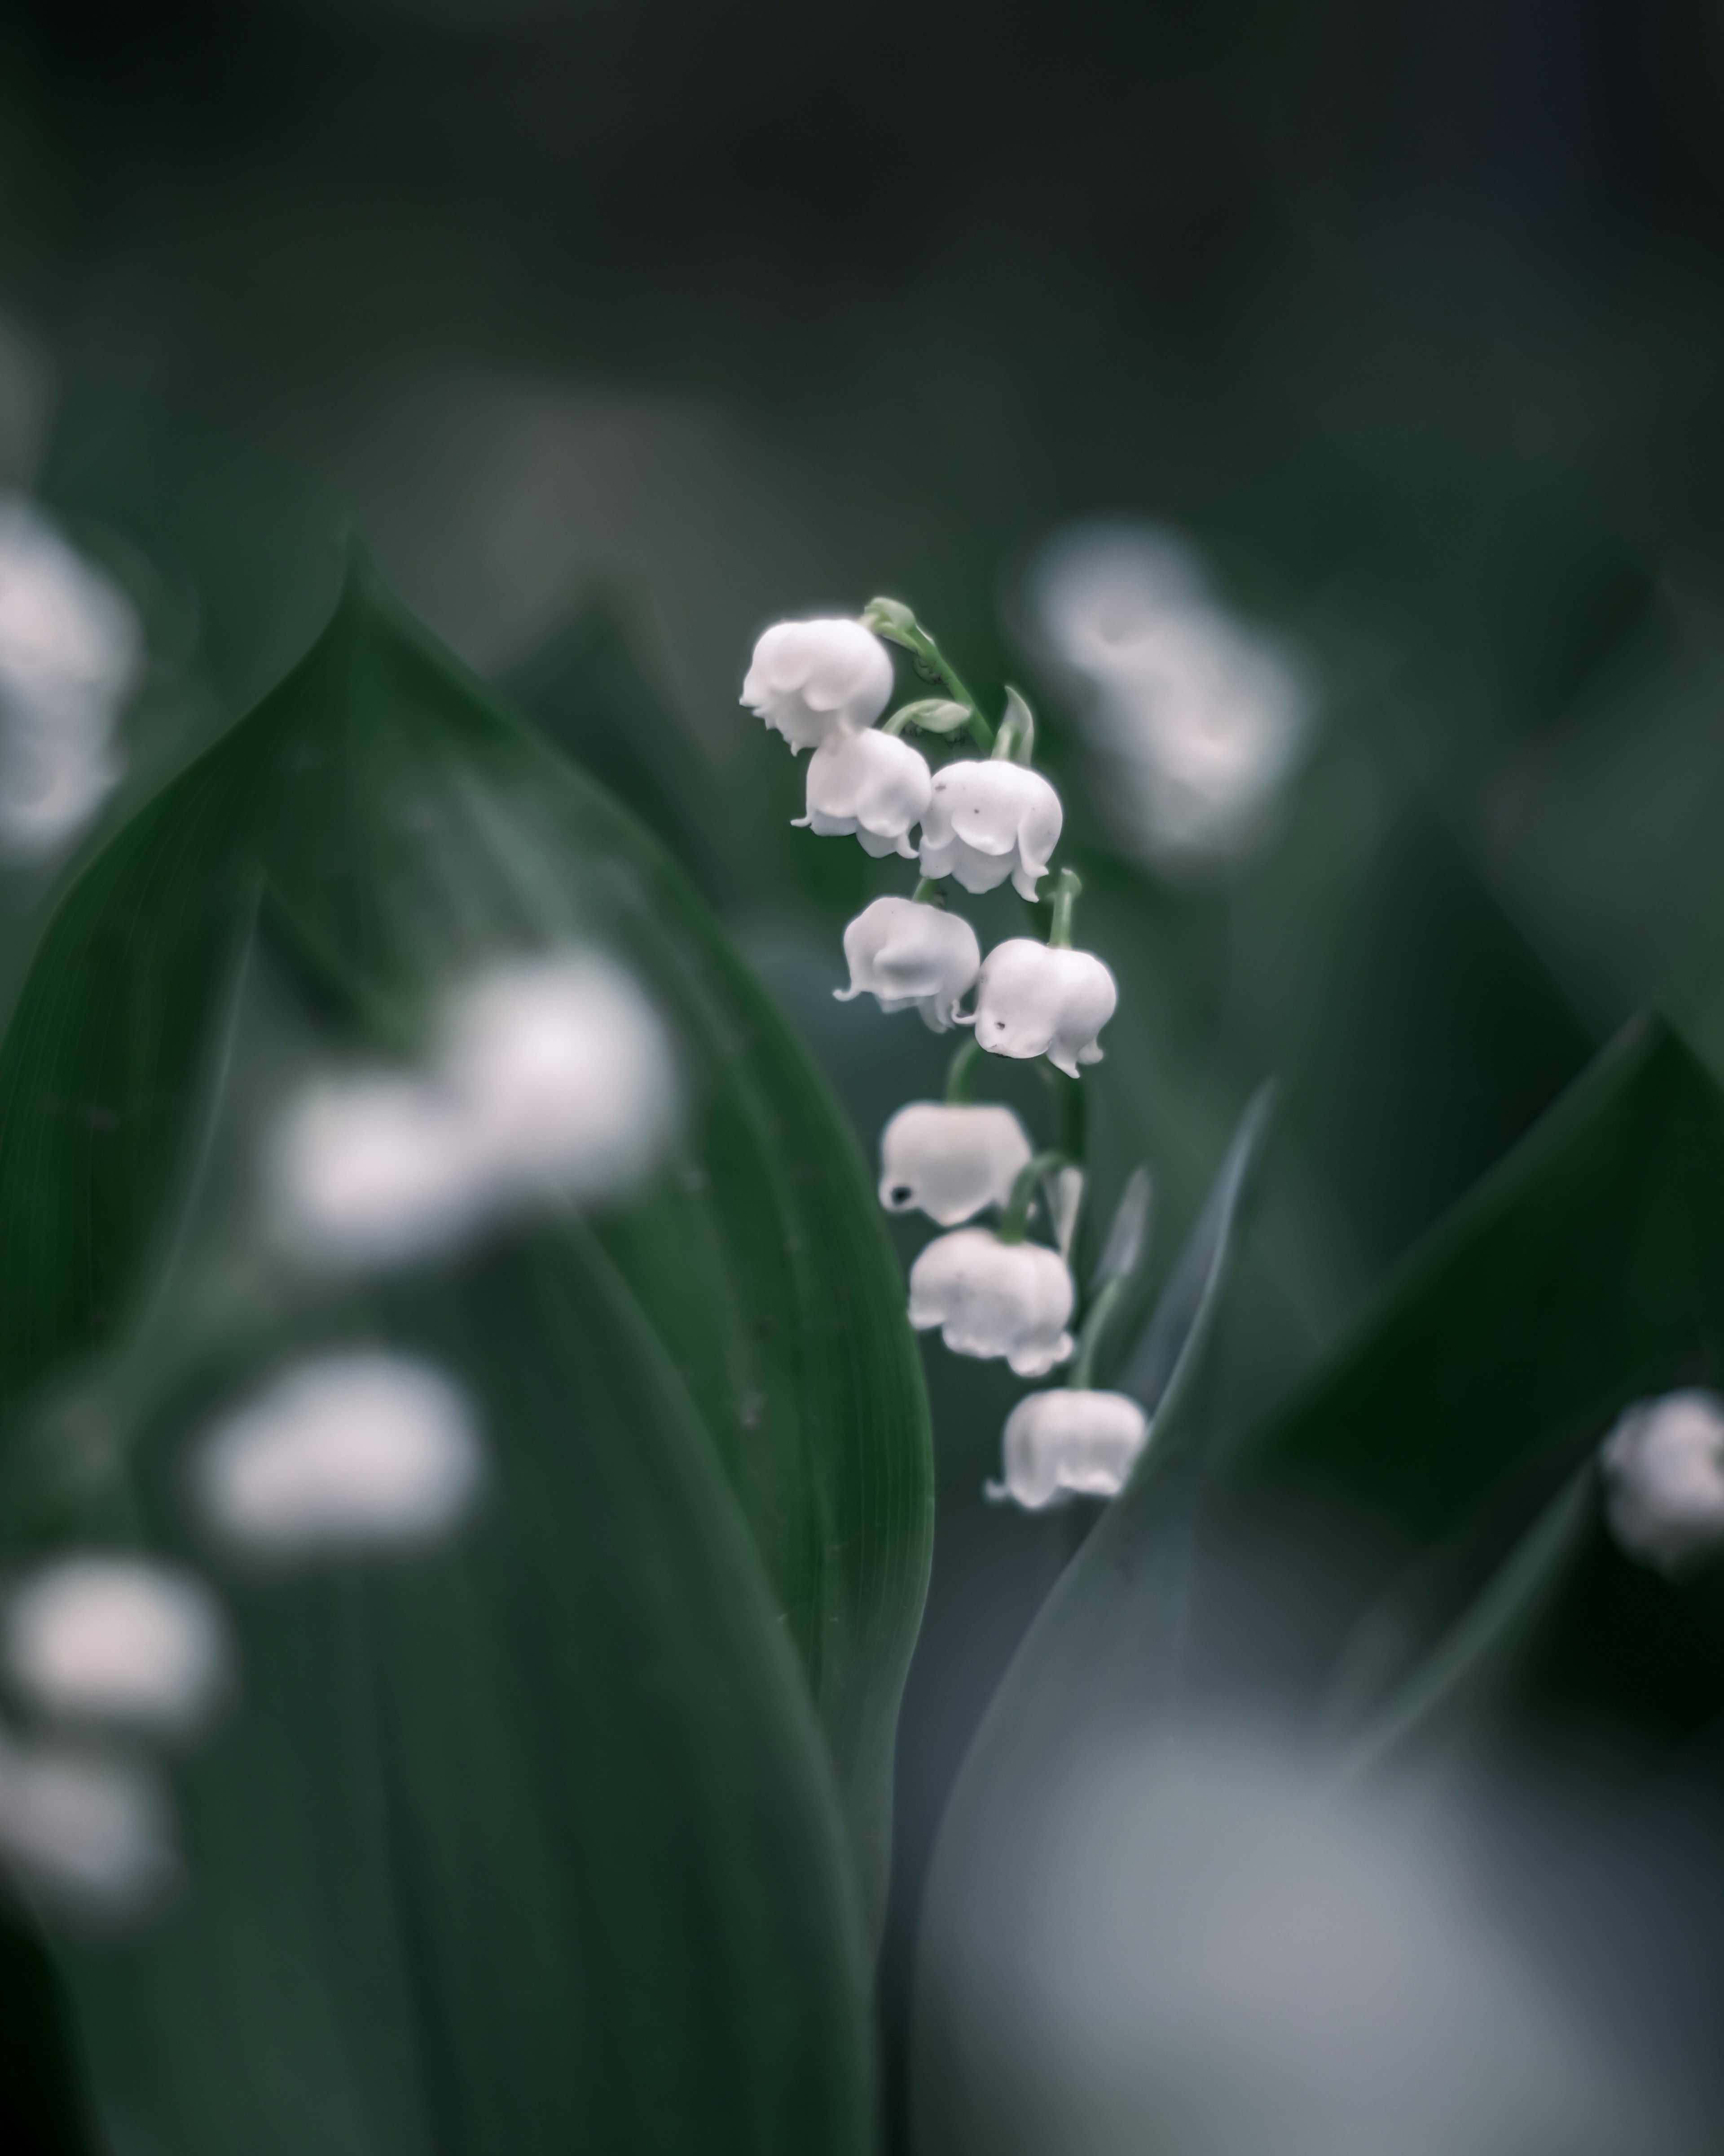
(1014, 1221)
(893, 620)
(1067, 888)
(961, 1073)
(930, 891)
(1070, 1117)
(1081, 1372)
(1015, 742)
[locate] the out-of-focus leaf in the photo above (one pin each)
(1100, 1659)
(589, 690)
(1585, 1272)
(522, 1840)
(1465, 1666)
(42, 2111)
(399, 828)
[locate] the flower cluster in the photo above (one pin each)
(978, 821)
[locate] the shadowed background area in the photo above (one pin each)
(615, 332)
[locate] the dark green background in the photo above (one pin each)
(1410, 316)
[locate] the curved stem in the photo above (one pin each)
(1014, 1221)
(893, 620)
(961, 1073)
(1067, 888)
(1071, 1114)
(1015, 742)
(1081, 1372)
(930, 891)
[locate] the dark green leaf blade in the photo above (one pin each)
(524, 1840)
(409, 828)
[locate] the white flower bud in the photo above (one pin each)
(948, 1160)
(988, 821)
(1664, 1472)
(1034, 1001)
(905, 953)
(811, 679)
(871, 784)
(993, 1298)
(1067, 1441)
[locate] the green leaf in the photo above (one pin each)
(1586, 1272)
(523, 1840)
(398, 827)
(1102, 1654)
(1465, 1666)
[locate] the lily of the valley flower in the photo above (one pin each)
(987, 821)
(949, 1160)
(992, 1298)
(1031, 1000)
(904, 953)
(811, 679)
(1664, 1474)
(1069, 1441)
(872, 785)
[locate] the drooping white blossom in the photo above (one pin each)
(811, 679)
(351, 1451)
(870, 784)
(71, 647)
(987, 821)
(1031, 1000)
(1664, 1475)
(991, 1298)
(1066, 1441)
(906, 953)
(1197, 719)
(948, 1159)
(551, 1077)
(115, 1638)
(87, 1829)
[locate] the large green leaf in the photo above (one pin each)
(394, 826)
(1102, 1656)
(523, 1841)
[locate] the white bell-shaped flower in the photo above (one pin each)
(1034, 1001)
(811, 679)
(992, 1298)
(988, 821)
(1663, 1474)
(949, 1159)
(871, 784)
(1059, 1443)
(907, 952)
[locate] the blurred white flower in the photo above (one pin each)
(102, 1638)
(992, 1298)
(1222, 1935)
(1069, 1441)
(551, 1077)
(348, 1451)
(70, 648)
(1197, 719)
(1031, 1000)
(83, 1828)
(871, 784)
(1664, 1475)
(950, 1159)
(811, 679)
(904, 951)
(987, 821)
